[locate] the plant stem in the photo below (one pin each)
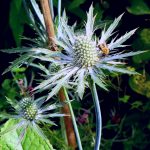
(98, 116)
(48, 22)
(74, 121)
(67, 120)
(63, 130)
(51, 33)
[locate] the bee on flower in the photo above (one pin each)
(84, 55)
(104, 48)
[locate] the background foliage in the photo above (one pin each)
(126, 108)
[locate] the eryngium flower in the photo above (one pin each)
(30, 112)
(85, 55)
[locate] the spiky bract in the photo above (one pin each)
(30, 112)
(82, 56)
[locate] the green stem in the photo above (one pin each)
(98, 115)
(63, 130)
(74, 121)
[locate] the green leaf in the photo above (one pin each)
(18, 70)
(13, 103)
(17, 20)
(17, 62)
(143, 40)
(9, 141)
(6, 84)
(143, 43)
(142, 57)
(8, 89)
(124, 99)
(136, 104)
(140, 84)
(138, 7)
(31, 141)
(75, 4)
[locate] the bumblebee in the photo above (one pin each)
(104, 48)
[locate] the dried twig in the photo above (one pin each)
(48, 22)
(50, 31)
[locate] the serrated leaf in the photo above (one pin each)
(17, 62)
(9, 140)
(31, 140)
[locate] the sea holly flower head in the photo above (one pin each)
(84, 51)
(84, 55)
(31, 113)
(28, 108)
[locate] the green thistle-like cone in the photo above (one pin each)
(85, 53)
(30, 112)
(29, 109)
(54, 68)
(25, 102)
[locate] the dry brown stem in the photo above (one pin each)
(51, 33)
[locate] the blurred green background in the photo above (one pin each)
(126, 108)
